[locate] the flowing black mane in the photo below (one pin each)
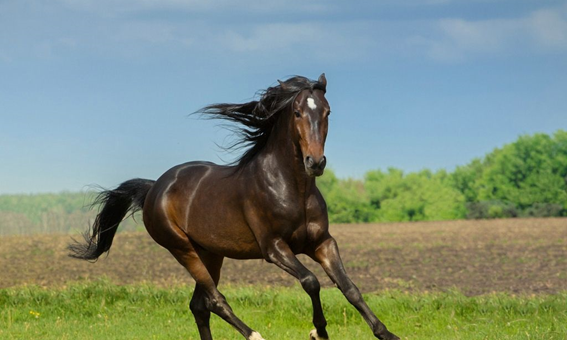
(258, 117)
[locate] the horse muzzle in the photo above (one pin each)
(315, 166)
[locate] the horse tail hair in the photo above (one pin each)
(127, 198)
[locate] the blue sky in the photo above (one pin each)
(97, 92)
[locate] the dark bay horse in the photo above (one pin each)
(265, 206)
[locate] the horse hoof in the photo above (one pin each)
(255, 336)
(314, 336)
(391, 336)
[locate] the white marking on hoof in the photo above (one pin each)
(311, 103)
(255, 336)
(314, 336)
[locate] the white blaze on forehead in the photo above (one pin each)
(311, 103)
(255, 336)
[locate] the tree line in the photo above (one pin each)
(65, 212)
(526, 178)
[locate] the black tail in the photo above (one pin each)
(129, 197)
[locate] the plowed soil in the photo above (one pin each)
(524, 256)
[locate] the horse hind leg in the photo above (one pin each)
(201, 313)
(198, 304)
(207, 295)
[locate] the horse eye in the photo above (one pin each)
(297, 114)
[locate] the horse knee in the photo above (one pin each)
(310, 284)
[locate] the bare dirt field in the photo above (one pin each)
(524, 256)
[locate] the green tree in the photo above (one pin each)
(527, 172)
(466, 179)
(347, 201)
(421, 196)
(526, 177)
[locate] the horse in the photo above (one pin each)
(265, 205)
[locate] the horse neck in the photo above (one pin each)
(281, 159)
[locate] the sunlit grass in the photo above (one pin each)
(102, 310)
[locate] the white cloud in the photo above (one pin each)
(457, 39)
(138, 28)
(282, 40)
(271, 37)
(486, 35)
(327, 42)
(113, 7)
(549, 27)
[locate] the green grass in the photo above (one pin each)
(101, 310)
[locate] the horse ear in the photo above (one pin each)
(322, 79)
(282, 85)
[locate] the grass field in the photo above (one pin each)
(501, 279)
(102, 310)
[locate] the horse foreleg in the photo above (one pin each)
(327, 255)
(281, 255)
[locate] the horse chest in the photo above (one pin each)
(290, 224)
(287, 211)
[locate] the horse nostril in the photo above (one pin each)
(312, 163)
(309, 162)
(322, 162)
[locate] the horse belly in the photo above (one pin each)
(233, 240)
